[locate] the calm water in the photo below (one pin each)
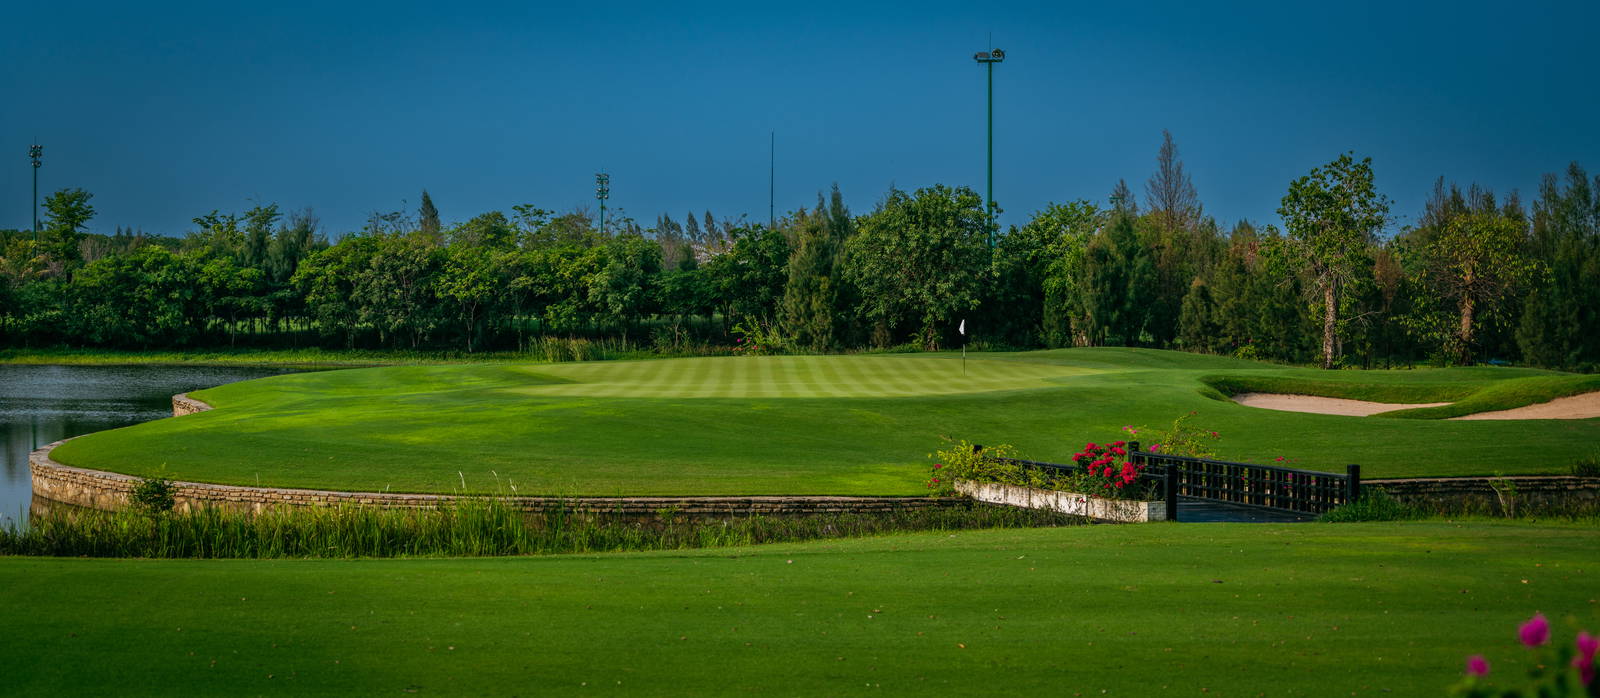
(41, 404)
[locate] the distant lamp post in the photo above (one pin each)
(602, 191)
(36, 152)
(988, 59)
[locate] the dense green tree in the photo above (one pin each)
(1560, 323)
(1118, 280)
(749, 277)
(1333, 216)
(621, 291)
(67, 216)
(920, 261)
(815, 301)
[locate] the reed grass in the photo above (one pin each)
(472, 528)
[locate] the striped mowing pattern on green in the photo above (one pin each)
(793, 376)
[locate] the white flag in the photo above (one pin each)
(963, 328)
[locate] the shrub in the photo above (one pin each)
(153, 496)
(1373, 505)
(1588, 466)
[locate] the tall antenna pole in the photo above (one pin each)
(602, 191)
(772, 171)
(36, 152)
(989, 58)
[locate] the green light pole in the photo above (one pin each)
(35, 152)
(988, 59)
(602, 191)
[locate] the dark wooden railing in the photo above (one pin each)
(1249, 484)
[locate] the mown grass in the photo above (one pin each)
(1221, 609)
(851, 425)
(468, 529)
(1506, 395)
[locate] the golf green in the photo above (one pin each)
(1161, 609)
(860, 424)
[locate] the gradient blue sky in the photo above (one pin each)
(168, 110)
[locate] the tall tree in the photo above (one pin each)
(1170, 195)
(1333, 216)
(1475, 261)
(428, 217)
(919, 260)
(67, 215)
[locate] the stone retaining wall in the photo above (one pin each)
(97, 489)
(1477, 494)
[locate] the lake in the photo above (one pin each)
(41, 404)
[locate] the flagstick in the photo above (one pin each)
(963, 358)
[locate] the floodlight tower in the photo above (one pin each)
(602, 191)
(988, 59)
(35, 152)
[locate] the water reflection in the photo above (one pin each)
(41, 404)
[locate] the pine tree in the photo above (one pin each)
(428, 218)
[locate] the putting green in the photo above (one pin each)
(793, 377)
(851, 425)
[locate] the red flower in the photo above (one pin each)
(937, 466)
(1106, 473)
(1119, 443)
(936, 479)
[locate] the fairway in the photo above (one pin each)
(851, 425)
(1371, 609)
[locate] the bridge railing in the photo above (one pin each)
(1249, 484)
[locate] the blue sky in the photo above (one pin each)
(168, 111)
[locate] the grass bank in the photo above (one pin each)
(848, 425)
(1371, 609)
(469, 529)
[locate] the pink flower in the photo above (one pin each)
(937, 466)
(936, 479)
(1213, 435)
(1155, 447)
(1280, 459)
(1477, 665)
(1535, 632)
(1584, 662)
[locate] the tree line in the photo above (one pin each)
(1479, 277)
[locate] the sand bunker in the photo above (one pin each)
(1583, 406)
(1325, 405)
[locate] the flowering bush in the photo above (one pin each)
(961, 461)
(1556, 671)
(756, 339)
(1109, 471)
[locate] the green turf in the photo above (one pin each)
(1309, 609)
(785, 425)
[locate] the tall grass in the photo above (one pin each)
(470, 528)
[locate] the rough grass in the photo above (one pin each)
(471, 528)
(1218, 609)
(782, 425)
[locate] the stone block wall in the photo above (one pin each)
(97, 489)
(1477, 494)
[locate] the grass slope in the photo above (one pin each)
(1368, 609)
(781, 425)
